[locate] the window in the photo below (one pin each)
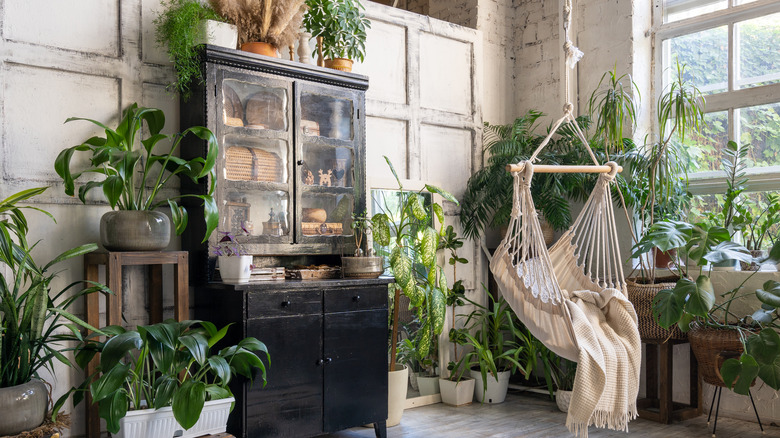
(731, 50)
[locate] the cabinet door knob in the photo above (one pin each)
(320, 362)
(300, 162)
(328, 360)
(356, 298)
(286, 303)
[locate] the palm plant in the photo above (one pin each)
(614, 106)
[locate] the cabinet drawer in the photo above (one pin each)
(265, 304)
(345, 300)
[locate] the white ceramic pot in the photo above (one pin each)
(218, 34)
(562, 399)
(146, 423)
(457, 393)
(428, 385)
(396, 393)
(235, 269)
(496, 389)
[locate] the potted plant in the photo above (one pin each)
(181, 27)
(31, 316)
(495, 350)
(235, 266)
(409, 237)
(162, 371)
(264, 26)
(364, 264)
(563, 372)
(340, 28)
(133, 178)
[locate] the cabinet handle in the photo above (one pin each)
(356, 298)
(328, 360)
(300, 162)
(286, 303)
(319, 362)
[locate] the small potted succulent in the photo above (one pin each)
(181, 28)
(340, 28)
(235, 266)
(133, 178)
(364, 264)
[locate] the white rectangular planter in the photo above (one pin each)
(218, 34)
(147, 423)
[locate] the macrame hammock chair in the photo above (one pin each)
(573, 296)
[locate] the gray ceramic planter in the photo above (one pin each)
(361, 267)
(23, 407)
(135, 230)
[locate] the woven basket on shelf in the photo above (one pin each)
(712, 347)
(641, 296)
(252, 164)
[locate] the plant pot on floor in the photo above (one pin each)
(562, 399)
(135, 230)
(23, 407)
(429, 385)
(260, 49)
(342, 64)
(457, 393)
(496, 389)
(235, 269)
(361, 267)
(218, 33)
(396, 394)
(413, 380)
(145, 423)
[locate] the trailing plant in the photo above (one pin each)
(487, 202)
(342, 26)
(490, 332)
(410, 237)
(143, 368)
(133, 177)
(270, 21)
(31, 313)
(179, 32)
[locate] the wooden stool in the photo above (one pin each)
(114, 261)
(660, 407)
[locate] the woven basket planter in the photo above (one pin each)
(641, 296)
(712, 347)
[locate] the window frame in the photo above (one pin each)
(713, 182)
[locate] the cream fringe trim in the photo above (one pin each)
(603, 419)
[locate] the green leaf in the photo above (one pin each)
(699, 296)
(395, 174)
(117, 347)
(770, 293)
(770, 374)
(739, 374)
(113, 187)
(179, 216)
(402, 270)
(36, 304)
(197, 345)
(429, 244)
(221, 368)
(381, 228)
(415, 203)
(667, 309)
(764, 346)
(424, 339)
(164, 393)
(446, 195)
(188, 403)
(726, 251)
(216, 337)
(114, 409)
(110, 382)
(439, 212)
(217, 392)
(438, 309)
(703, 239)
(664, 235)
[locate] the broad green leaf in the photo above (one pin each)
(702, 241)
(221, 368)
(446, 195)
(726, 251)
(699, 297)
(164, 393)
(113, 187)
(216, 337)
(769, 293)
(438, 309)
(110, 381)
(439, 212)
(188, 403)
(117, 347)
(416, 296)
(179, 216)
(664, 235)
(429, 244)
(416, 206)
(114, 409)
(667, 310)
(217, 392)
(381, 229)
(685, 322)
(424, 339)
(739, 374)
(770, 374)
(764, 346)
(402, 269)
(197, 345)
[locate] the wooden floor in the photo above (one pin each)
(533, 415)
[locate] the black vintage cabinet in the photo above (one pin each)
(291, 160)
(328, 346)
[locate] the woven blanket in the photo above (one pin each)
(610, 350)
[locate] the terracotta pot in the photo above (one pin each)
(135, 230)
(23, 407)
(342, 64)
(663, 259)
(261, 49)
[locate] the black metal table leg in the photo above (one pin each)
(712, 404)
(380, 429)
(755, 410)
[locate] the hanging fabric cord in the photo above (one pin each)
(572, 297)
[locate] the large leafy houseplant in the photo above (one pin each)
(342, 26)
(165, 364)
(31, 314)
(412, 239)
(179, 32)
(133, 177)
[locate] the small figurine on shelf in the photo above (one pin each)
(309, 178)
(325, 178)
(273, 227)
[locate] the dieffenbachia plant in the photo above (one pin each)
(413, 239)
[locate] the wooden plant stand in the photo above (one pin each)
(114, 262)
(658, 405)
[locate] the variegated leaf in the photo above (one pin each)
(402, 270)
(416, 205)
(381, 229)
(438, 307)
(439, 213)
(429, 243)
(424, 340)
(416, 296)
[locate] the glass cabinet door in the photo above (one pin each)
(255, 136)
(326, 162)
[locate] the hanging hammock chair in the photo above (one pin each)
(573, 297)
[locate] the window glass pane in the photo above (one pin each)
(705, 57)
(676, 10)
(759, 51)
(743, 2)
(704, 148)
(762, 228)
(760, 128)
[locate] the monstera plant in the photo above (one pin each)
(410, 234)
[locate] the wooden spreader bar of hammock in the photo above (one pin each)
(550, 168)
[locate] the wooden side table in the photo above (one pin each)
(114, 262)
(658, 405)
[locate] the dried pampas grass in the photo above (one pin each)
(276, 22)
